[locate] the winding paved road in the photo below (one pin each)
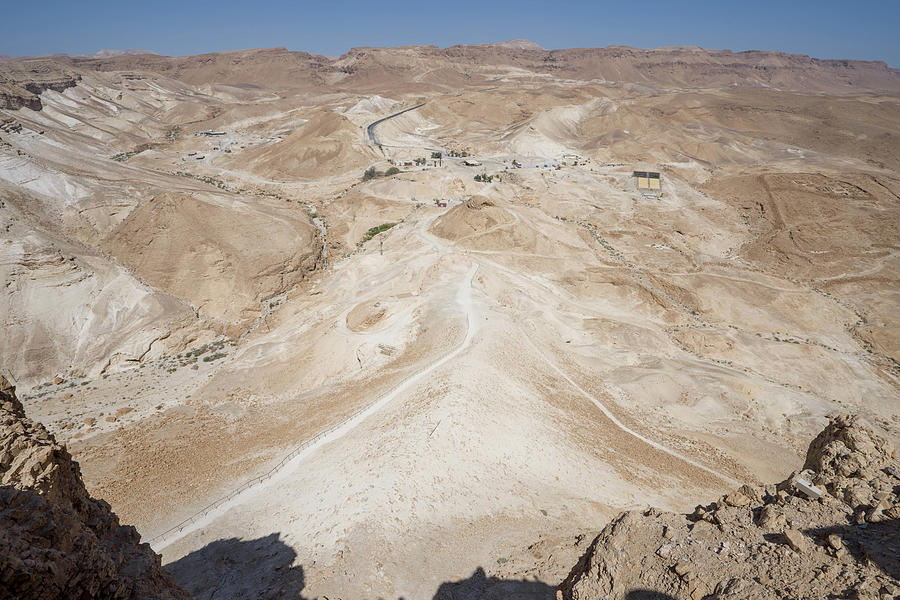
(371, 128)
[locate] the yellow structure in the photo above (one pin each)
(648, 180)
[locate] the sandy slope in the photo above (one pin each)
(481, 442)
(502, 373)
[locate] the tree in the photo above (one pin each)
(391, 171)
(369, 174)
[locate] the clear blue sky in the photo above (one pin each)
(862, 29)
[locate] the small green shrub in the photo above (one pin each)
(372, 232)
(123, 156)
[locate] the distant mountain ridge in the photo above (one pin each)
(104, 53)
(421, 69)
(463, 65)
(519, 44)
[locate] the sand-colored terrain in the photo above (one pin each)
(203, 289)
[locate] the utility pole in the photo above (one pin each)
(381, 247)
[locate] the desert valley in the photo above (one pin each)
(419, 322)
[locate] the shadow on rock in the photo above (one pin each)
(481, 587)
(875, 543)
(238, 569)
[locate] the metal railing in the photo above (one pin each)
(297, 450)
(259, 478)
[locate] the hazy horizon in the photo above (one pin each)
(99, 53)
(826, 30)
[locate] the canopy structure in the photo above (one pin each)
(647, 180)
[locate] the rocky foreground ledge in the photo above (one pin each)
(765, 542)
(55, 540)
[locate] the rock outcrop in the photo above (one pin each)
(14, 97)
(55, 540)
(22, 82)
(765, 542)
(9, 125)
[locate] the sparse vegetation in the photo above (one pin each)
(124, 156)
(371, 173)
(191, 355)
(205, 179)
(172, 134)
(372, 232)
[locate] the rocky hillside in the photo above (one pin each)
(55, 540)
(673, 67)
(765, 542)
(21, 82)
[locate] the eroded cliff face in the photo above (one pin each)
(765, 542)
(22, 82)
(55, 540)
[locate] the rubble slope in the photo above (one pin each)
(765, 541)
